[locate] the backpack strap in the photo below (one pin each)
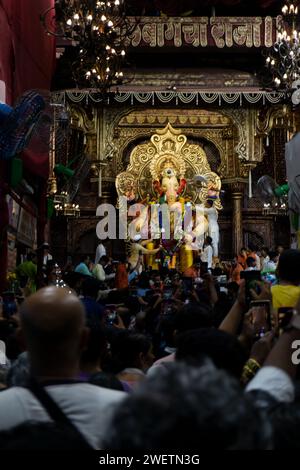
(53, 410)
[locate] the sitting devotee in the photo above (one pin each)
(252, 252)
(121, 278)
(236, 272)
(264, 256)
(287, 292)
(83, 266)
(251, 264)
(53, 328)
(194, 270)
(89, 290)
(242, 256)
(46, 254)
(100, 251)
(270, 263)
(99, 270)
(187, 408)
(96, 347)
(279, 249)
(191, 316)
(132, 356)
(226, 352)
(27, 274)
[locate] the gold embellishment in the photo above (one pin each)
(168, 148)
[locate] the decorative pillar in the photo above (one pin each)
(105, 186)
(237, 194)
(106, 197)
(41, 225)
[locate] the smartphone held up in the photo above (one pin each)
(261, 316)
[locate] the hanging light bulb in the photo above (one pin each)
(282, 58)
(100, 29)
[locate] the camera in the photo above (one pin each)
(112, 317)
(167, 294)
(111, 314)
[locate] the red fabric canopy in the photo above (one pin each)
(27, 61)
(34, 50)
(6, 51)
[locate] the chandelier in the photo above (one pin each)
(63, 206)
(100, 30)
(277, 209)
(283, 58)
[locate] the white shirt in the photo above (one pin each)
(100, 251)
(99, 273)
(161, 363)
(258, 266)
(88, 406)
(263, 261)
(269, 266)
(212, 215)
(207, 256)
(274, 381)
(47, 258)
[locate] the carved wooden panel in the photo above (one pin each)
(258, 230)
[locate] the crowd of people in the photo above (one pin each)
(112, 356)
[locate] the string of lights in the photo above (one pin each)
(101, 31)
(283, 58)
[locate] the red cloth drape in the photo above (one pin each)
(34, 50)
(34, 54)
(27, 59)
(6, 50)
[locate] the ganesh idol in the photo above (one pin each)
(165, 210)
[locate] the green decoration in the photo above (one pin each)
(63, 170)
(282, 190)
(50, 207)
(16, 172)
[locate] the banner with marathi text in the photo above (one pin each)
(205, 32)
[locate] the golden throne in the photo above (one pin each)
(168, 147)
(168, 157)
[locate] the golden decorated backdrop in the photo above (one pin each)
(169, 146)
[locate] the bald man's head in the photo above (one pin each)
(53, 322)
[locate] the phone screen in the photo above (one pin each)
(261, 315)
(168, 294)
(111, 314)
(251, 278)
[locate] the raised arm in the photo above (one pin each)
(277, 374)
(231, 322)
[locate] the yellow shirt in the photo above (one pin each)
(285, 296)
